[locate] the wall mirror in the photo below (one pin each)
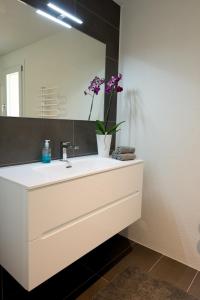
(45, 67)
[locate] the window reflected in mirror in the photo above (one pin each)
(12, 105)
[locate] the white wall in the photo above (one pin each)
(160, 61)
(68, 60)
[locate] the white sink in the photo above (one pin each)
(38, 174)
(77, 165)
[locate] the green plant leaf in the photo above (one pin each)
(100, 128)
(98, 132)
(115, 128)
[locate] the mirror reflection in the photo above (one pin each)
(45, 67)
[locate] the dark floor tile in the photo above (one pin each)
(119, 267)
(93, 289)
(144, 258)
(195, 287)
(140, 256)
(56, 288)
(104, 255)
(82, 288)
(174, 272)
(135, 284)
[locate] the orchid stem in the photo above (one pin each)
(108, 110)
(91, 107)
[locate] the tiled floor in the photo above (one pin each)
(157, 265)
(83, 279)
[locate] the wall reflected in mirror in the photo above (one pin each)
(45, 68)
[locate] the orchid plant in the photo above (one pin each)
(111, 87)
(94, 89)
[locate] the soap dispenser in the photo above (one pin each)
(46, 152)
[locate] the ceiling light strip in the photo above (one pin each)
(52, 18)
(64, 13)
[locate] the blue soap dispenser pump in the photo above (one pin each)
(46, 152)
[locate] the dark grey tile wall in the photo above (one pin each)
(108, 10)
(21, 138)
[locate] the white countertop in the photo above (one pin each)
(36, 175)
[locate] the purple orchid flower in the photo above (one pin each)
(94, 87)
(113, 84)
(111, 87)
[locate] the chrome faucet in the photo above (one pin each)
(64, 146)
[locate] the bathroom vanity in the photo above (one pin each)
(50, 215)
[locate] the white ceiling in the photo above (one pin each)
(21, 26)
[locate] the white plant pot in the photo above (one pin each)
(103, 144)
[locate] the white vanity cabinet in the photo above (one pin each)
(44, 228)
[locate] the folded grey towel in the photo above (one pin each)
(125, 156)
(125, 149)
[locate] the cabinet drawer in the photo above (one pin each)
(57, 204)
(59, 248)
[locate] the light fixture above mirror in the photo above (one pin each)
(60, 19)
(52, 18)
(64, 14)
